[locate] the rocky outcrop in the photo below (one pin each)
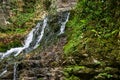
(65, 5)
(45, 65)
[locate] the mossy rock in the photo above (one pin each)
(15, 43)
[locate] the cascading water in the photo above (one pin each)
(36, 36)
(15, 71)
(29, 40)
(63, 25)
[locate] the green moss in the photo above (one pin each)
(4, 47)
(93, 30)
(72, 78)
(72, 69)
(104, 75)
(39, 79)
(21, 19)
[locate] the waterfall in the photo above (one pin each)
(35, 37)
(29, 41)
(63, 25)
(32, 42)
(41, 35)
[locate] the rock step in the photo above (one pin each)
(29, 63)
(39, 73)
(34, 57)
(32, 61)
(34, 71)
(29, 78)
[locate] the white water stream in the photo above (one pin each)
(15, 71)
(32, 41)
(28, 41)
(63, 25)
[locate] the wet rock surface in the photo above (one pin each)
(44, 65)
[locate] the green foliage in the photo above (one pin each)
(3, 28)
(74, 39)
(94, 29)
(27, 5)
(18, 22)
(104, 75)
(72, 78)
(72, 69)
(19, 18)
(22, 18)
(92, 21)
(7, 46)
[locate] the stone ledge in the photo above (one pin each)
(66, 6)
